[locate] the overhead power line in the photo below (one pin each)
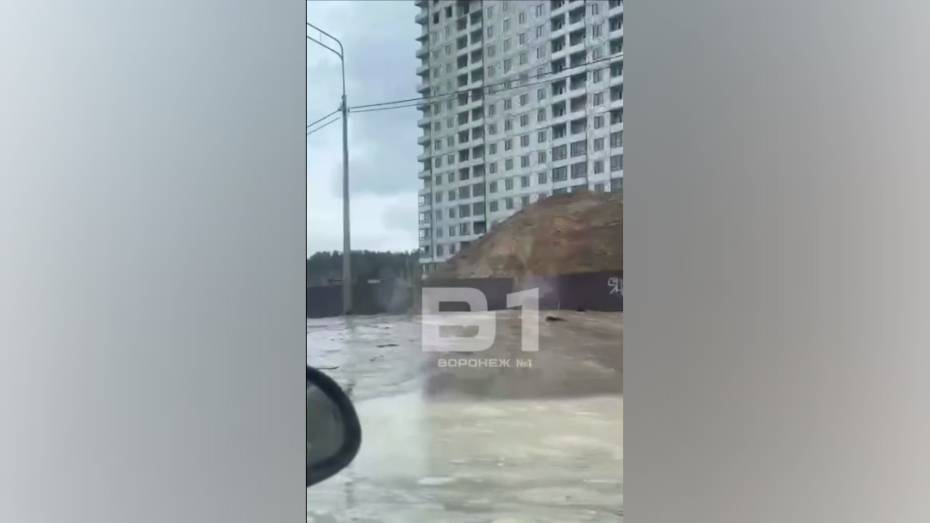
(320, 127)
(391, 104)
(311, 124)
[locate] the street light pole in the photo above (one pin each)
(346, 238)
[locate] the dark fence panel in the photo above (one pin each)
(594, 291)
(391, 297)
(494, 289)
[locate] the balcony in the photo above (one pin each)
(422, 52)
(421, 17)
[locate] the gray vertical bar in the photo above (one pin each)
(776, 290)
(152, 245)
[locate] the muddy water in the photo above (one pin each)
(538, 443)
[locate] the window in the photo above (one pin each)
(437, 162)
(524, 99)
(490, 31)
(492, 187)
(596, 29)
(492, 148)
(492, 206)
(439, 251)
(490, 11)
(465, 192)
(522, 38)
(616, 163)
(541, 178)
(599, 187)
(508, 144)
(579, 170)
(539, 10)
(508, 125)
(598, 122)
(578, 148)
(525, 140)
(506, 24)
(616, 139)
(464, 211)
(541, 137)
(508, 202)
(438, 197)
(508, 104)
(477, 208)
(598, 98)
(492, 129)
(522, 17)
(541, 115)
(508, 184)
(559, 153)
(492, 168)
(524, 58)
(541, 157)
(451, 214)
(598, 144)
(525, 161)
(507, 64)
(492, 50)
(598, 166)
(525, 200)
(464, 228)
(539, 31)
(508, 164)
(524, 181)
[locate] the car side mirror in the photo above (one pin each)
(333, 430)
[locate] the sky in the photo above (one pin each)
(380, 45)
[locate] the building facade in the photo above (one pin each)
(521, 100)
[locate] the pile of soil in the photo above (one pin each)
(563, 234)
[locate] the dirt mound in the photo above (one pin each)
(562, 234)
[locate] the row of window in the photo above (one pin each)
(558, 174)
(558, 152)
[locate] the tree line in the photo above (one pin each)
(325, 268)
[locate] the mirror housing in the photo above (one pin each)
(334, 433)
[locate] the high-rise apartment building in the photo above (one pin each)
(522, 100)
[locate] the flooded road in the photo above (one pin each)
(537, 440)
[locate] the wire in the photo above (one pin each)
(490, 87)
(370, 109)
(323, 118)
(334, 120)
